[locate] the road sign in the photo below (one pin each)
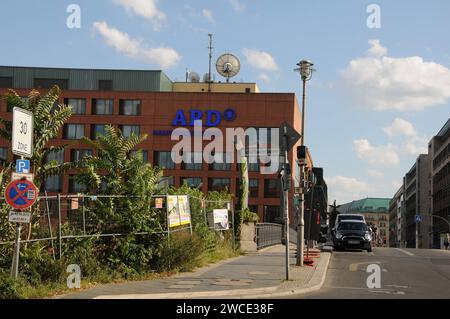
(22, 132)
(17, 176)
(19, 217)
(286, 144)
(418, 218)
(22, 166)
(21, 194)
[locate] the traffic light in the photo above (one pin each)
(301, 154)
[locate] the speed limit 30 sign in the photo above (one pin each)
(22, 132)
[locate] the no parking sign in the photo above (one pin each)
(21, 194)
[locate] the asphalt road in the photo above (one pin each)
(405, 273)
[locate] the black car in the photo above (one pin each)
(352, 234)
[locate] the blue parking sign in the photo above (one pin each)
(23, 166)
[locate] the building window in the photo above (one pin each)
(57, 156)
(166, 181)
(144, 155)
(102, 106)
(192, 161)
(272, 214)
(127, 130)
(74, 131)
(271, 188)
(53, 183)
(253, 187)
(105, 85)
(76, 187)
(98, 130)
(192, 181)
(6, 82)
(49, 83)
(78, 155)
(130, 107)
(218, 184)
(225, 158)
(78, 105)
(3, 154)
(164, 160)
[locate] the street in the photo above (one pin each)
(406, 273)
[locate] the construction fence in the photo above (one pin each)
(65, 217)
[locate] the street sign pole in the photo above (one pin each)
(15, 261)
(286, 201)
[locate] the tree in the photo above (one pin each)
(49, 116)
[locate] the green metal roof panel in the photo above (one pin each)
(367, 205)
(87, 79)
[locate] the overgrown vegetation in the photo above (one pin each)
(115, 168)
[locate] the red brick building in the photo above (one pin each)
(147, 102)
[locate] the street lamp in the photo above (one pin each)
(305, 67)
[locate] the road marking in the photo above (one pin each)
(388, 292)
(405, 252)
(397, 286)
(355, 266)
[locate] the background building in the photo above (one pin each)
(417, 202)
(149, 102)
(439, 151)
(426, 192)
(396, 219)
(375, 211)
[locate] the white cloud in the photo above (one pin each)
(208, 15)
(237, 6)
(260, 60)
(345, 189)
(144, 8)
(400, 127)
(163, 57)
(374, 173)
(264, 78)
(376, 49)
(376, 155)
(413, 143)
(384, 83)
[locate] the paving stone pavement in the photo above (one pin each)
(261, 271)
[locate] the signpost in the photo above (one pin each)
(22, 176)
(22, 132)
(288, 138)
(19, 217)
(21, 193)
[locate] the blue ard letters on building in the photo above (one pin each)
(212, 117)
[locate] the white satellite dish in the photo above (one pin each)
(207, 78)
(194, 77)
(228, 65)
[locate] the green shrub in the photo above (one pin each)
(180, 254)
(10, 288)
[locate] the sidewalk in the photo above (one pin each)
(258, 275)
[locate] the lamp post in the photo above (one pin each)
(306, 70)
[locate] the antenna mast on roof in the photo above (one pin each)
(210, 47)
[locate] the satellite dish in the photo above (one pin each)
(194, 77)
(228, 65)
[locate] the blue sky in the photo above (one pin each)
(372, 106)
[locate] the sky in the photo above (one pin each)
(380, 92)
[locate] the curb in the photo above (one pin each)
(315, 283)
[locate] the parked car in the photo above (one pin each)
(342, 217)
(352, 234)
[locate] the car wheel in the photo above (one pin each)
(369, 250)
